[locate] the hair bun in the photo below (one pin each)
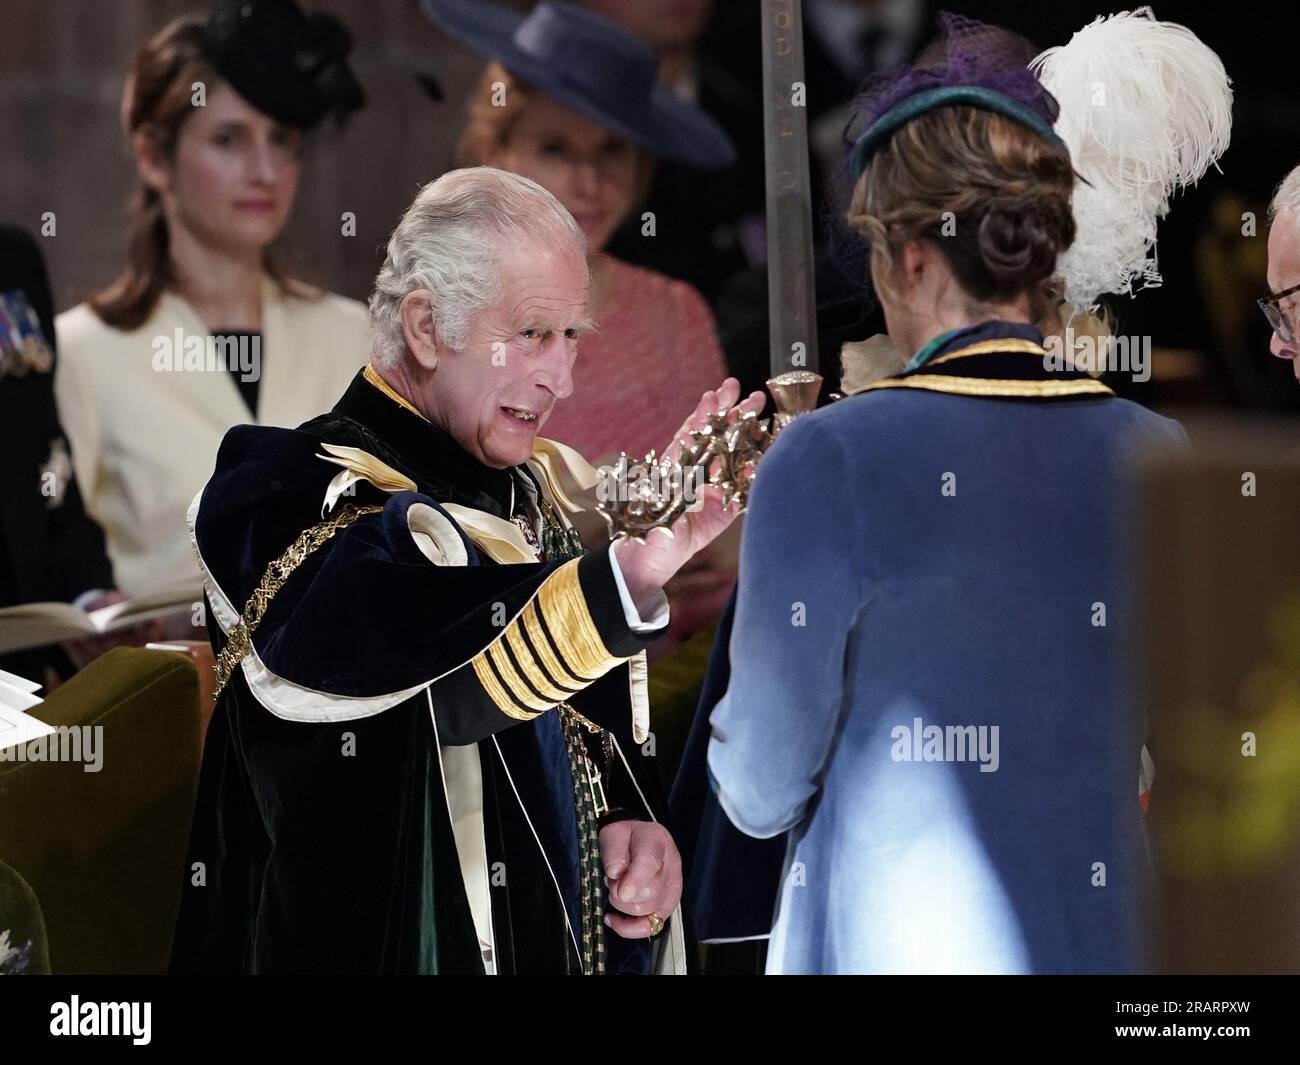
(1020, 238)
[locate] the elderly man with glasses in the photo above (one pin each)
(1284, 270)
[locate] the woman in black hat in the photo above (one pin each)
(572, 100)
(203, 329)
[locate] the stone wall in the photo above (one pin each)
(62, 66)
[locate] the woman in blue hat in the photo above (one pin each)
(572, 100)
(205, 328)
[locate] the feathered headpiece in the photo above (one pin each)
(1146, 109)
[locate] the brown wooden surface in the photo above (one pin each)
(1222, 632)
(200, 651)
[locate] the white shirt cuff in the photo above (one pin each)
(634, 620)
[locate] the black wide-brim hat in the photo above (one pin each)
(289, 65)
(592, 65)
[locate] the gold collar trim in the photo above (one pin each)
(980, 386)
(1010, 346)
(975, 386)
(551, 460)
(372, 375)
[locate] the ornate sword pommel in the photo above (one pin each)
(794, 393)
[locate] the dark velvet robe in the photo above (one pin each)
(322, 820)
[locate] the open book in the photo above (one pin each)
(38, 624)
(17, 696)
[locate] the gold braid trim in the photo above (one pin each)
(241, 636)
(564, 607)
(535, 669)
(513, 681)
(546, 656)
(370, 375)
(488, 679)
(529, 665)
(1009, 346)
(977, 386)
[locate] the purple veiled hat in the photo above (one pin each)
(970, 64)
(592, 65)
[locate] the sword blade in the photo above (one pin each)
(790, 288)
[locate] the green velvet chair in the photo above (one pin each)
(23, 949)
(104, 851)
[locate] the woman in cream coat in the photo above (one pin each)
(203, 331)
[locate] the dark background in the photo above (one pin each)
(62, 65)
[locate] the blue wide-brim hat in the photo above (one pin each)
(592, 65)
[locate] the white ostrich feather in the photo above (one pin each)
(1146, 109)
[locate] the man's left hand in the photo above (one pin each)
(643, 870)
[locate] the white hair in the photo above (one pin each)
(450, 242)
(1287, 194)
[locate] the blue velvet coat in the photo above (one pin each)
(927, 687)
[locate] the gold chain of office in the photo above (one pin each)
(308, 541)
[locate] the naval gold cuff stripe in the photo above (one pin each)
(487, 678)
(564, 609)
(529, 668)
(548, 654)
(513, 682)
(520, 672)
(539, 646)
(559, 654)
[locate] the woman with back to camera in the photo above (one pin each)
(941, 727)
(204, 329)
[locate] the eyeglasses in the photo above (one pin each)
(1277, 317)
